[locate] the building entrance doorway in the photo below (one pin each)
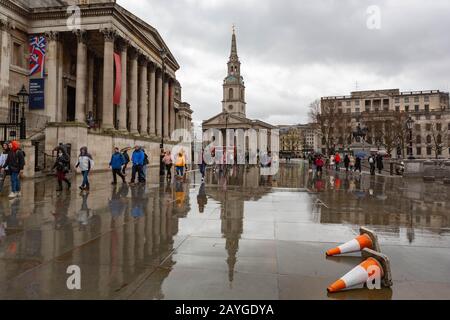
(70, 115)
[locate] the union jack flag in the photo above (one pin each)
(37, 55)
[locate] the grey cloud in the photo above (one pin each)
(306, 49)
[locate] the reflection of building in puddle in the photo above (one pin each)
(232, 204)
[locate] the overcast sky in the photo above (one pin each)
(293, 51)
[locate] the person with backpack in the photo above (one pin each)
(116, 163)
(126, 158)
(85, 164)
(62, 166)
(137, 159)
(372, 165)
(179, 164)
(15, 162)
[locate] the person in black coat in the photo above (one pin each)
(62, 166)
(380, 166)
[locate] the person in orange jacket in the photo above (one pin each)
(180, 163)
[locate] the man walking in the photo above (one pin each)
(137, 159)
(372, 165)
(116, 163)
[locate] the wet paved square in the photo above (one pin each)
(237, 236)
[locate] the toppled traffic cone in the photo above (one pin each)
(361, 273)
(366, 239)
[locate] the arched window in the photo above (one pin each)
(418, 139)
(428, 139)
(230, 93)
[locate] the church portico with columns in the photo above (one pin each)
(108, 76)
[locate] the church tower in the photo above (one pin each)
(233, 85)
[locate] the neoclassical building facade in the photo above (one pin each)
(107, 78)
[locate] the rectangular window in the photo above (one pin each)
(17, 55)
(397, 100)
(349, 110)
(357, 110)
(339, 103)
(429, 151)
(416, 108)
(14, 112)
(416, 99)
(438, 127)
(428, 126)
(406, 108)
(419, 151)
(397, 108)
(356, 102)
(427, 98)
(427, 108)
(406, 100)
(349, 103)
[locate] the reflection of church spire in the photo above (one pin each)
(232, 246)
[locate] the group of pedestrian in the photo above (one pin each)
(376, 162)
(12, 162)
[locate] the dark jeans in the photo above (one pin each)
(117, 172)
(372, 169)
(168, 170)
(85, 183)
(203, 169)
(15, 181)
(124, 168)
(139, 170)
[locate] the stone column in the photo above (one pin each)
(159, 87)
(143, 99)
(123, 96)
(133, 106)
(90, 88)
(5, 59)
(152, 101)
(108, 80)
(172, 108)
(80, 98)
(51, 61)
(166, 108)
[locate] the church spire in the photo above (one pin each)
(233, 54)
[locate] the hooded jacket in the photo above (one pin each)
(15, 160)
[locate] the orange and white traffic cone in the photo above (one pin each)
(366, 239)
(357, 276)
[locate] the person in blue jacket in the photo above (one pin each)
(116, 163)
(137, 159)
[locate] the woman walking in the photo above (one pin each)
(179, 164)
(85, 164)
(62, 166)
(167, 160)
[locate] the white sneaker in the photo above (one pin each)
(12, 195)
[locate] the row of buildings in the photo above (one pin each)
(403, 124)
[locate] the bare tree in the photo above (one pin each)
(324, 113)
(437, 139)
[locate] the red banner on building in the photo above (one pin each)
(37, 46)
(118, 79)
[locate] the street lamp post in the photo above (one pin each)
(23, 100)
(409, 126)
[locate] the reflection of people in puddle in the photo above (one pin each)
(62, 205)
(202, 199)
(319, 184)
(117, 203)
(85, 213)
(180, 195)
(137, 202)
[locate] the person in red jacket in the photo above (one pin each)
(319, 165)
(337, 160)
